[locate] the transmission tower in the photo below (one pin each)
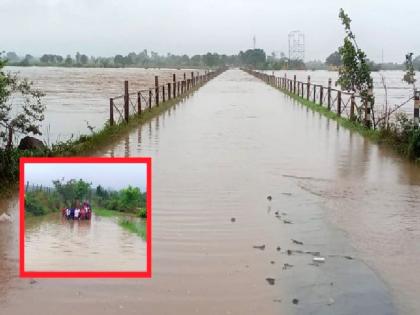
(254, 42)
(296, 45)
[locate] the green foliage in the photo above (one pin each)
(39, 202)
(255, 58)
(130, 199)
(134, 226)
(142, 213)
(410, 74)
(72, 190)
(354, 73)
(334, 59)
(23, 117)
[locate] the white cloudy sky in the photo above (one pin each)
(108, 27)
(108, 175)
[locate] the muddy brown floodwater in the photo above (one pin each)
(217, 156)
(100, 244)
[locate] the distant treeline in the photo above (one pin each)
(41, 200)
(254, 58)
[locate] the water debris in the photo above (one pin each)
(33, 281)
(276, 213)
(295, 301)
(271, 281)
(278, 248)
(312, 253)
(286, 193)
(342, 256)
(297, 242)
(287, 266)
(294, 251)
(261, 247)
(4, 217)
(232, 220)
(269, 198)
(272, 262)
(330, 301)
(318, 259)
(283, 213)
(287, 222)
(277, 300)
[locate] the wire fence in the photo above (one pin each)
(122, 107)
(345, 104)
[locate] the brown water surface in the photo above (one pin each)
(100, 244)
(217, 156)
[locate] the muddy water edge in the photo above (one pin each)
(220, 247)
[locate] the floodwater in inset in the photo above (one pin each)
(221, 247)
(53, 243)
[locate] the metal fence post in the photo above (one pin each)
(174, 85)
(416, 107)
(150, 98)
(111, 111)
(138, 103)
(329, 94)
(339, 103)
(157, 90)
(308, 87)
(126, 101)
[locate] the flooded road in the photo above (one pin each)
(56, 244)
(220, 247)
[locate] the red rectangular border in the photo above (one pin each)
(84, 274)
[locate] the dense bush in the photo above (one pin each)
(39, 202)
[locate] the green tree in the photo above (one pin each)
(72, 189)
(354, 73)
(84, 59)
(130, 198)
(410, 74)
(22, 117)
(334, 59)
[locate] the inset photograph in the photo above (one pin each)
(85, 217)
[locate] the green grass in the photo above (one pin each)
(134, 226)
(379, 136)
(106, 213)
(126, 221)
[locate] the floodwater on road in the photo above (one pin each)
(53, 243)
(221, 247)
(78, 97)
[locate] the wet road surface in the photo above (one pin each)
(217, 156)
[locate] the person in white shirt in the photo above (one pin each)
(76, 213)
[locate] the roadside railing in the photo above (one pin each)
(343, 103)
(122, 107)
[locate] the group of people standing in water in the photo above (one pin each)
(78, 212)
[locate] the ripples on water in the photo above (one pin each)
(55, 244)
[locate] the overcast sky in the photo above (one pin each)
(108, 27)
(108, 175)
